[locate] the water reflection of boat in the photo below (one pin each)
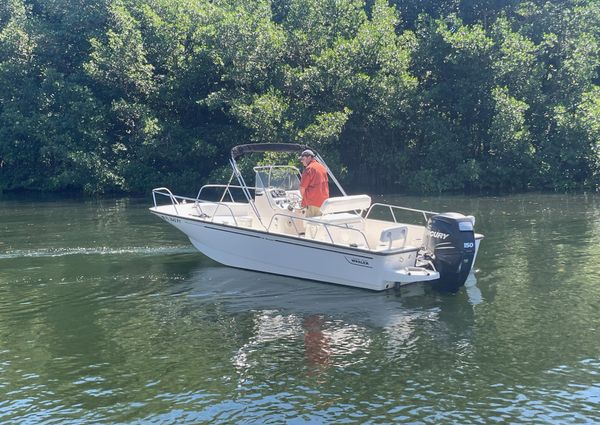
(334, 326)
(241, 291)
(353, 243)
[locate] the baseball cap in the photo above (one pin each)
(306, 152)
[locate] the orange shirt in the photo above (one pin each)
(315, 183)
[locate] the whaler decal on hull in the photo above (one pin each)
(362, 262)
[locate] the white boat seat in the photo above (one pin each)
(340, 228)
(390, 235)
(339, 219)
(345, 203)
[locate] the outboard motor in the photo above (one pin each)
(450, 241)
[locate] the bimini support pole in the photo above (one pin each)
(331, 176)
(227, 189)
(244, 187)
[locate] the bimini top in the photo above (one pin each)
(267, 147)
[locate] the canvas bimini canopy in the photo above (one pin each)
(267, 147)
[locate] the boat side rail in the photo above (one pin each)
(179, 200)
(326, 226)
(214, 214)
(396, 207)
(163, 191)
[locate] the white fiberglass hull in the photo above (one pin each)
(297, 257)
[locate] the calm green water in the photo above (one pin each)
(107, 315)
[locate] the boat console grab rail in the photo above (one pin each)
(396, 207)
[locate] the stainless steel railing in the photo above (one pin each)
(316, 221)
(395, 207)
(179, 200)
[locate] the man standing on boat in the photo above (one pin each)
(314, 184)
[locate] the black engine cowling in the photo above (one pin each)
(450, 240)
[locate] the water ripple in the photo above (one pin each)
(120, 331)
(61, 252)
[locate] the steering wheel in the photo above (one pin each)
(293, 197)
(294, 201)
(294, 204)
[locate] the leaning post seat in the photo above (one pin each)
(340, 211)
(345, 203)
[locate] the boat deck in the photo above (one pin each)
(342, 229)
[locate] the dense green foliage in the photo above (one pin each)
(424, 96)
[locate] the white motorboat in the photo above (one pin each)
(354, 242)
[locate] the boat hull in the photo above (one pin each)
(297, 257)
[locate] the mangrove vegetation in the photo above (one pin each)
(426, 96)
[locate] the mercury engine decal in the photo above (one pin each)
(438, 235)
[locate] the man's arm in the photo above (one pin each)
(304, 183)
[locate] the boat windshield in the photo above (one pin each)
(286, 177)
